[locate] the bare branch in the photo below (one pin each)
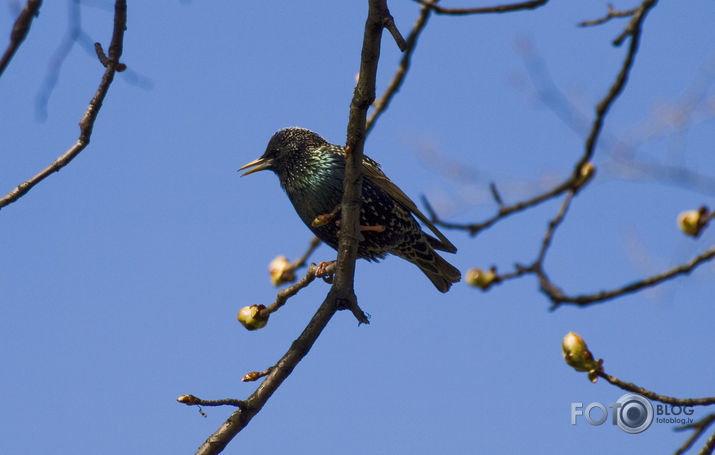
(191, 400)
(256, 375)
(381, 104)
(612, 13)
(532, 4)
(285, 294)
(588, 299)
(389, 23)
(709, 446)
(86, 124)
(654, 396)
(634, 30)
(700, 426)
(553, 224)
(504, 210)
(20, 30)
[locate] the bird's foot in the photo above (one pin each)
(322, 220)
(326, 270)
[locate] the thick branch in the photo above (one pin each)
(341, 294)
(19, 31)
(363, 97)
(86, 124)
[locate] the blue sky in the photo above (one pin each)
(121, 276)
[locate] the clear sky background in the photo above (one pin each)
(121, 276)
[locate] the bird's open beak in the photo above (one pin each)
(260, 165)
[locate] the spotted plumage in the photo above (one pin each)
(311, 171)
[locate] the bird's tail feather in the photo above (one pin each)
(440, 272)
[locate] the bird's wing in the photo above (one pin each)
(371, 170)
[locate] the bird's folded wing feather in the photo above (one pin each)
(371, 171)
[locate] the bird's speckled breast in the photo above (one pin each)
(315, 185)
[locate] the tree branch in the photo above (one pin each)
(654, 396)
(634, 30)
(588, 299)
(709, 446)
(381, 104)
(612, 13)
(20, 30)
(486, 9)
(504, 210)
(341, 294)
(700, 426)
(86, 124)
(290, 291)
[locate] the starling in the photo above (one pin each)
(311, 171)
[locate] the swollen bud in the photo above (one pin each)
(586, 173)
(692, 222)
(577, 355)
(281, 271)
(188, 399)
(252, 317)
(481, 279)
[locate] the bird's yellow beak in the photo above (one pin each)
(260, 165)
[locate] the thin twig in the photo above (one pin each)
(504, 210)
(256, 375)
(19, 31)
(532, 4)
(699, 426)
(612, 13)
(553, 225)
(290, 291)
(389, 23)
(380, 105)
(86, 124)
(191, 400)
(654, 396)
(588, 299)
(634, 31)
(300, 262)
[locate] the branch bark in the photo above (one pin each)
(19, 31)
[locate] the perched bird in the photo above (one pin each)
(311, 171)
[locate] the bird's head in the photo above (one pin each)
(285, 150)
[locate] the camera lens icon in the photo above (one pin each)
(635, 413)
